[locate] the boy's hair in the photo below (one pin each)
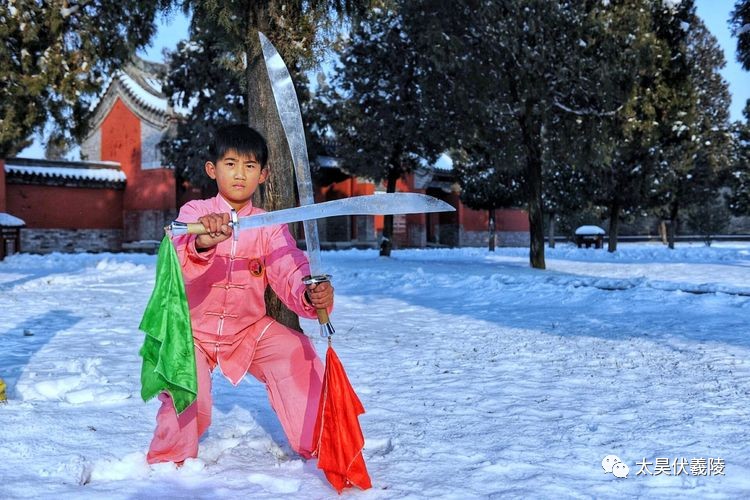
(240, 138)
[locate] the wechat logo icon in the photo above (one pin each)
(613, 464)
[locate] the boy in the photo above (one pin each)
(225, 279)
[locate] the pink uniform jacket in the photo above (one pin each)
(225, 285)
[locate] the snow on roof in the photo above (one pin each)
(327, 161)
(589, 230)
(96, 100)
(155, 83)
(444, 163)
(140, 81)
(144, 97)
(7, 220)
(94, 174)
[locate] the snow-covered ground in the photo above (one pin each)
(481, 378)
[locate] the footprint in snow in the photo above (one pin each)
(275, 484)
(378, 447)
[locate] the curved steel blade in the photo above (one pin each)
(291, 120)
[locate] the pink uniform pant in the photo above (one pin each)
(285, 361)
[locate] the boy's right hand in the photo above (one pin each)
(217, 226)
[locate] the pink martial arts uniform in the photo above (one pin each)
(225, 287)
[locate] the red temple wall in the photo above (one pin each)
(64, 207)
(151, 189)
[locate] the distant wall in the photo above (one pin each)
(502, 238)
(510, 219)
(67, 219)
(739, 225)
(71, 240)
(344, 231)
(61, 207)
(3, 205)
(146, 224)
(91, 149)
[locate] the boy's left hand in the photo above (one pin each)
(320, 295)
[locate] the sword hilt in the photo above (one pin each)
(178, 228)
(326, 328)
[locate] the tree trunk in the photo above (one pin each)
(536, 222)
(531, 131)
(279, 189)
(614, 221)
(386, 245)
(552, 230)
(492, 230)
(673, 212)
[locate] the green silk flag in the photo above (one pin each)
(168, 353)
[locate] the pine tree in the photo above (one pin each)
(711, 127)
(298, 30)
(709, 218)
(675, 108)
(528, 71)
(737, 175)
(649, 34)
(740, 24)
(489, 188)
(568, 171)
(194, 89)
(55, 57)
(566, 192)
(693, 137)
(374, 107)
(739, 172)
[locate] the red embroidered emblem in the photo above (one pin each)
(256, 267)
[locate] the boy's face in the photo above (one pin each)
(237, 177)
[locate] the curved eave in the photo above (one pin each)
(33, 179)
(147, 107)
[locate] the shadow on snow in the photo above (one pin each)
(22, 341)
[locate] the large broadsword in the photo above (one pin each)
(373, 204)
(291, 120)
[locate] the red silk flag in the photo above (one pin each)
(337, 432)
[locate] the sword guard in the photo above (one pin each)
(176, 228)
(313, 280)
(233, 224)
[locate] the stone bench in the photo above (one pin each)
(10, 234)
(590, 235)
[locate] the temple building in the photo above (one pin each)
(121, 195)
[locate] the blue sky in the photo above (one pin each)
(715, 14)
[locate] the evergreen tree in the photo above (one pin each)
(740, 25)
(195, 89)
(709, 218)
(694, 136)
(374, 106)
(566, 192)
(489, 189)
(658, 96)
(55, 57)
(298, 30)
(523, 72)
(675, 108)
(737, 175)
(56, 149)
(569, 167)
